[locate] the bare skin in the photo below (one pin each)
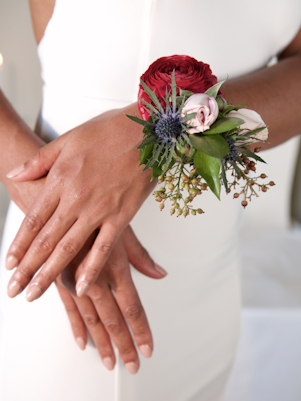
(41, 12)
(113, 294)
(266, 91)
(274, 93)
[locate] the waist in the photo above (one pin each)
(61, 110)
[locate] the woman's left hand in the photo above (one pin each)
(111, 311)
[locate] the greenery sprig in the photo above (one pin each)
(188, 160)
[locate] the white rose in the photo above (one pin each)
(206, 110)
(252, 120)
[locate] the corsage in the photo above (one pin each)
(193, 139)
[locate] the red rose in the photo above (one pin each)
(190, 74)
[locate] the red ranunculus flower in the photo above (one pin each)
(190, 74)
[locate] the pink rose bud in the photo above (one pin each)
(252, 120)
(206, 109)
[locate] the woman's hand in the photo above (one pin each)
(111, 310)
(94, 183)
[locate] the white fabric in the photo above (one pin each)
(92, 55)
(268, 362)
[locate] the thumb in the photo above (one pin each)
(40, 163)
(139, 257)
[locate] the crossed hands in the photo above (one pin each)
(76, 231)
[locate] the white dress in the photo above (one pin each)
(92, 55)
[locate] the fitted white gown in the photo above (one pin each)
(92, 55)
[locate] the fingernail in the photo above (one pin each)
(146, 350)
(13, 289)
(81, 343)
(33, 292)
(108, 362)
(11, 262)
(160, 270)
(132, 367)
(15, 171)
(81, 288)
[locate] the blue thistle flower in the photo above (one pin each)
(169, 127)
(232, 154)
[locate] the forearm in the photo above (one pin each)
(18, 142)
(275, 93)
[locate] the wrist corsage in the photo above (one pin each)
(193, 139)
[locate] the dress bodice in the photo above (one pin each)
(103, 52)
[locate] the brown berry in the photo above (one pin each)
(244, 203)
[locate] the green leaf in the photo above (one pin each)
(148, 130)
(212, 145)
(154, 158)
(147, 141)
(214, 89)
(231, 107)
(209, 168)
(224, 125)
(184, 92)
(173, 91)
(248, 153)
(250, 134)
(169, 159)
(150, 108)
(138, 120)
(156, 171)
(146, 153)
(151, 94)
(224, 177)
(237, 169)
(189, 116)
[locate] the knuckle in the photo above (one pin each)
(91, 320)
(17, 248)
(43, 243)
(133, 312)
(96, 295)
(71, 309)
(115, 268)
(33, 223)
(70, 247)
(36, 158)
(144, 255)
(104, 247)
(23, 273)
(127, 351)
(45, 277)
(114, 327)
(92, 273)
(79, 195)
(77, 329)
